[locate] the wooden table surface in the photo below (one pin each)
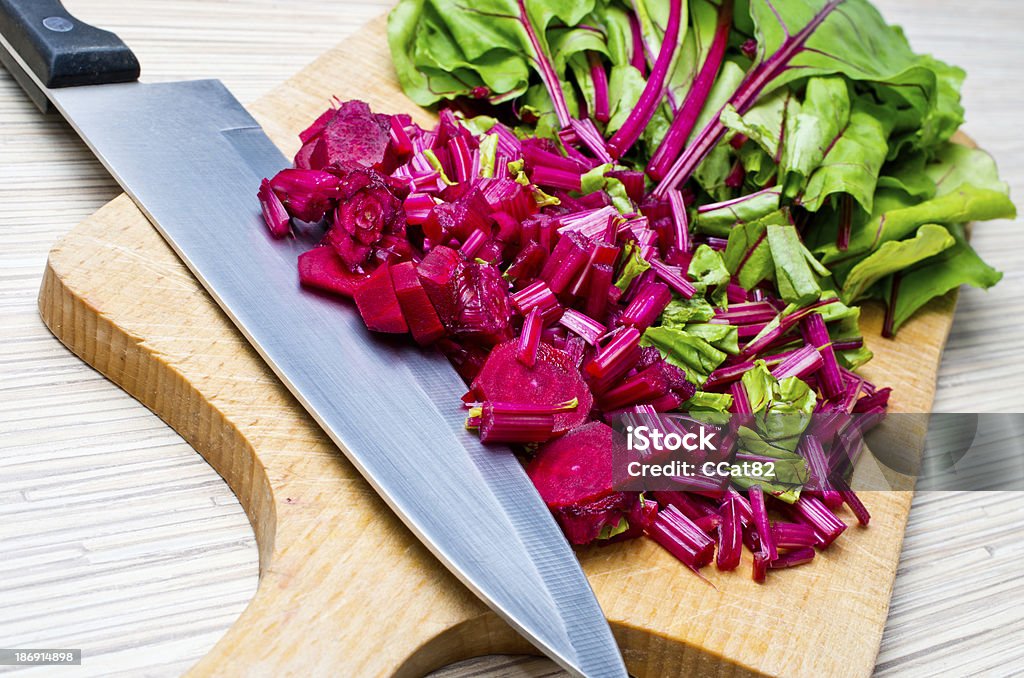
(117, 538)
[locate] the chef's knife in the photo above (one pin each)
(192, 158)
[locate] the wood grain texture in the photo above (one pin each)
(931, 612)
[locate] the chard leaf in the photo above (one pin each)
(757, 164)
(609, 531)
(695, 355)
(896, 219)
(747, 254)
(723, 337)
(782, 408)
(764, 123)
(957, 265)
(790, 469)
(593, 180)
(625, 85)
(908, 175)
(597, 179)
(479, 125)
(713, 172)
(537, 102)
(614, 19)
(488, 154)
(446, 48)
(853, 161)
(657, 128)
(600, 34)
(729, 78)
(704, 400)
(635, 265)
(679, 311)
(854, 358)
(712, 408)
(571, 44)
(616, 190)
(811, 129)
(895, 256)
(708, 268)
(967, 188)
(955, 165)
(854, 40)
(799, 39)
(721, 219)
(694, 49)
(796, 269)
(942, 115)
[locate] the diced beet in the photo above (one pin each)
(582, 523)
(475, 304)
(393, 249)
(378, 303)
(457, 219)
(318, 125)
(274, 213)
(508, 227)
(467, 359)
(632, 181)
(439, 266)
(501, 424)
(575, 469)
(419, 226)
(527, 263)
(419, 313)
(570, 254)
(368, 213)
(552, 379)
(321, 269)
(306, 194)
(350, 251)
(353, 134)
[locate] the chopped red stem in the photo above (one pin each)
(681, 537)
(654, 90)
(686, 117)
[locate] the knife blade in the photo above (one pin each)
(191, 157)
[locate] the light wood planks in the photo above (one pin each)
(234, 43)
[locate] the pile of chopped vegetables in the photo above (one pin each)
(644, 208)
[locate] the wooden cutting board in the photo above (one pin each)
(345, 589)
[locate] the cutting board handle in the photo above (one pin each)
(45, 47)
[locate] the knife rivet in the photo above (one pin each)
(57, 24)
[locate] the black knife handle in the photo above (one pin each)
(60, 50)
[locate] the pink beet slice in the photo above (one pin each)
(419, 313)
(439, 267)
(352, 134)
(459, 218)
(378, 303)
(321, 269)
(552, 380)
(575, 469)
(583, 523)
